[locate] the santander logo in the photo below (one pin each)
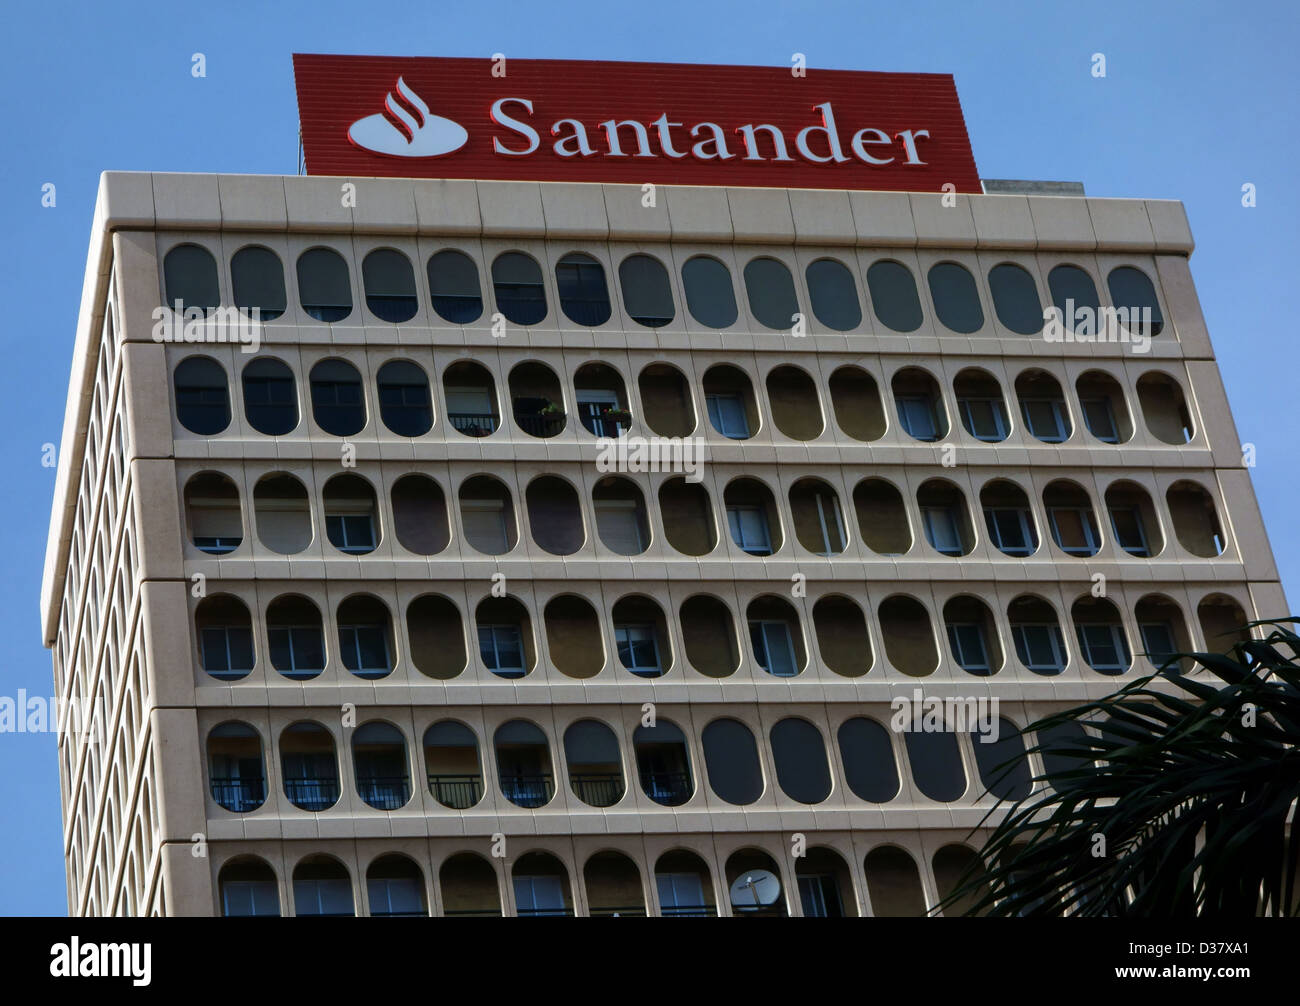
(406, 128)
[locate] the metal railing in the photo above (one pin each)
(676, 911)
(238, 795)
(667, 788)
(541, 913)
(456, 791)
(540, 424)
(633, 911)
(384, 792)
(312, 794)
(473, 424)
(528, 790)
(600, 789)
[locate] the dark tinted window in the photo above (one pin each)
(323, 285)
(834, 297)
(868, 758)
(190, 275)
(1015, 299)
(894, 297)
(517, 284)
(454, 289)
(257, 282)
(202, 396)
(956, 299)
(800, 758)
(936, 764)
(390, 285)
(1131, 289)
(584, 297)
(770, 289)
(731, 757)
(1072, 289)
(337, 401)
(709, 296)
(270, 397)
(647, 292)
(1064, 751)
(404, 398)
(1003, 767)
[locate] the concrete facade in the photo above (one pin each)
(128, 594)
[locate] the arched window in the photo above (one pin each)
(729, 397)
(404, 403)
(1015, 299)
(536, 398)
(920, 405)
(1164, 408)
(257, 282)
(752, 517)
(647, 291)
(1105, 413)
(1042, 405)
(365, 636)
(283, 514)
(454, 287)
(1102, 640)
(1071, 518)
(310, 766)
(324, 288)
(894, 884)
(541, 886)
(524, 764)
(775, 636)
(641, 636)
(338, 402)
(351, 514)
(452, 761)
(248, 888)
(1008, 518)
(225, 636)
(517, 285)
(395, 888)
(834, 295)
(487, 515)
(869, 760)
(796, 409)
(584, 296)
(709, 295)
(980, 405)
(800, 756)
(613, 886)
(469, 394)
(321, 886)
(1074, 295)
(818, 519)
(1037, 635)
(437, 635)
(190, 278)
(212, 513)
(595, 766)
(936, 763)
(382, 769)
(296, 637)
(894, 296)
(855, 397)
(1196, 523)
(236, 771)
(621, 518)
(554, 515)
(842, 636)
(505, 637)
(270, 397)
(882, 517)
(770, 290)
(1133, 519)
(390, 285)
(202, 395)
(956, 298)
(709, 635)
(1001, 759)
(684, 886)
(1131, 290)
(663, 763)
(420, 515)
(909, 639)
(945, 517)
(972, 636)
(687, 515)
(469, 887)
(573, 636)
(731, 758)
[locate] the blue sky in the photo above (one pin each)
(1197, 101)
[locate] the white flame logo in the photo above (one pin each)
(406, 128)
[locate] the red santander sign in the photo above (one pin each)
(666, 123)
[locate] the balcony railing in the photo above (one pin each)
(633, 911)
(312, 794)
(540, 424)
(667, 788)
(238, 795)
(528, 790)
(474, 424)
(473, 913)
(541, 913)
(384, 792)
(672, 911)
(456, 791)
(600, 789)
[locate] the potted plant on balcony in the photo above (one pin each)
(614, 415)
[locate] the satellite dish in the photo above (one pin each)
(755, 888)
